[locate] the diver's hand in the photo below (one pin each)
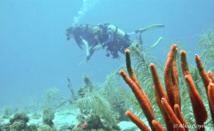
(97, 47)
(83, 62)
(87, 53)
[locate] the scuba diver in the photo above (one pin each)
(106, 36)
(116, 40)
(101, 36)
(113, 39)
(84, 36)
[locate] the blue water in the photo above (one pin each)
(35, 55)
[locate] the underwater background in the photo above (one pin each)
(35, 55)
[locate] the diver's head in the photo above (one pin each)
(96, 31)
(70, 33)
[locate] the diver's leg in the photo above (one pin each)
(115, 54)
(139, 38)
(108, 51)
(125, 44)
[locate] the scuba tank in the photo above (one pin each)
(117, 31)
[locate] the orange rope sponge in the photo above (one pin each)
(180, 116)
(137, 121)
(157, 126)
(169, 103)
(140, 97)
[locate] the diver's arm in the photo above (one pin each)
(91, 52)
(84, 42)
(110, 38)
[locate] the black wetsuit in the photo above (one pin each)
(85, 32)
(116, 43)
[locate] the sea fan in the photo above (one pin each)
(206, 45)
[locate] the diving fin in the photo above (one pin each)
(150, 27)
(155, 44)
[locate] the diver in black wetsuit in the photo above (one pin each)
(106, 36)
(114, 39)
(84, 36)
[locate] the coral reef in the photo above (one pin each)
(169, 102)
(206, 45)
(53, 99)
(94, 108)
(73, 94)
(19, 121)
(19, 117)
(48, 116)
(47, 128)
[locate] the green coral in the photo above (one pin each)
(206, 45)
(142, 59)
(111, 91)
(93, 103)
(18, 126)
(19, 117)
(47, 128)
(48, 116)
(96, 104)
(19, 122)
(53, 99)
(32, 127)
